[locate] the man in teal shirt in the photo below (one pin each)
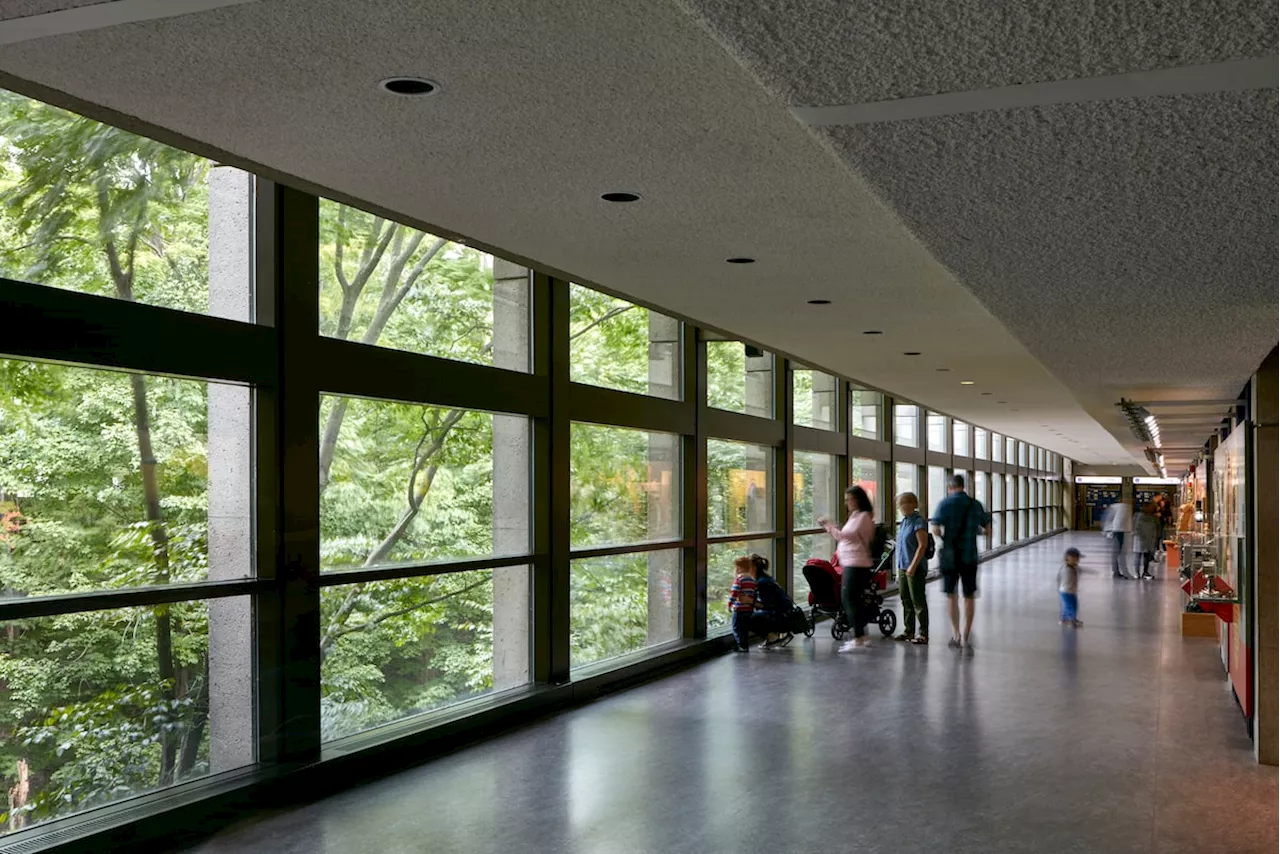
(958, 521)
(912, 561)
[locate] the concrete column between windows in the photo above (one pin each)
(230, 461)
(511, 481)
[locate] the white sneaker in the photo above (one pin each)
(849, 646)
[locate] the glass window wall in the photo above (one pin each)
(864, 413)
(937, 427)
(906, 425)
(813, 395)
(960, 439)
(980, 441)
(740, 495)
(615, 344)
(739, 378)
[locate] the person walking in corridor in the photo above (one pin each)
(1116, 525)
(958, 521)
(912, 558)
(1068, 587)
(1146, 541)
(853, 550)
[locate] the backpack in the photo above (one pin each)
(931, 548)
(878, 541)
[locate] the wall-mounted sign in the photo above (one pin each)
(1157, 481)
(1090, 479)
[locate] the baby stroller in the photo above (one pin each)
(824, 595)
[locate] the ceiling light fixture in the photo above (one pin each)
(819, 302)
(942, 370)
(409, 87)
(621, 196)
(872, 332)
(987, 393)
(1002, 402)
(912, 353)
(739, 260)
(966, 382)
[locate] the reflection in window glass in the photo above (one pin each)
(739, 488)
(813, 399)
(997, 448)
(906, 425)
(982, 492)
(937, 488)
(93, 717)
(980, 443)
(1010, 494)
(997, 530)
(622, 603)
(1010, 451)
(391, 649)
(80, 510)
(739, 378)
(997, 492)
(624, 486)
(617, 345)
(866, 473)
(814, 483)
(960, 438)
(403, 483)
(389, 285)
(937, 426)
(864, 413)
(906, 478)
(79, 194)
(720, 573)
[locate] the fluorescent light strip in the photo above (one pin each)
(1188, 80)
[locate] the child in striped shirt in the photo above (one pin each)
(742, 601)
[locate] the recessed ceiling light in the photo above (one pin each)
(819, 302)
(987, 393)
(1015, 410)
(621, 196)
(942, 370)
(740, 260)
(966, 382)
(1002, 402)
(872, 332)
(912, 353)
(409, 87)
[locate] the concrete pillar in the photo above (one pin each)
(665, 487)
(1266, 564)
(759, 386)
(511, 476)
(230, 460)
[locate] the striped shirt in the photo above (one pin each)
(742, 596)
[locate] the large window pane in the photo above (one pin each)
(625, 486)
(622, 603)
(937, 488)
(982, 492)
(997, 529)
(960, 438)
(980, 439)
(739, 488)
(617, 345)
(864, 413)
(102, 705)
(937, 427)
(720, 574)
(739, 378)
(906, 425)
(997, 448)
(393, 286)
(906, 478)
(810, 546)
(403, 483)
(391, 649)
(112, 480)
(814, 485)
(866, 473)
(99, 210)
(813, 396)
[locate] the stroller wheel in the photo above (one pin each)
(810, 626)
(839, 628)
(888, 621)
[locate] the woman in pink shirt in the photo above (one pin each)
(853, 550)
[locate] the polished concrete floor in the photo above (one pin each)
(1117, 737)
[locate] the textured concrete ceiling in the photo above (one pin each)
(543, 108)
(1129, 244)
(11, 9)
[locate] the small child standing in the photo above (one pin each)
(1068, 583)
(742, 601)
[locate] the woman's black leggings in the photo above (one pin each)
(854, 582)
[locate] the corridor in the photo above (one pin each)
(1117, 737)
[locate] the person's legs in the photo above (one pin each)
(917, 584)
(862, 579)
(907, 595)
(850, 595)
(741, 627)
(1069, 605)
(1121, 563)
(1074, 602)
(950, 581)
(969, 581)
(1064, 607)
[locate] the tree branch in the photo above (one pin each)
(390, 615)
(611, 313)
